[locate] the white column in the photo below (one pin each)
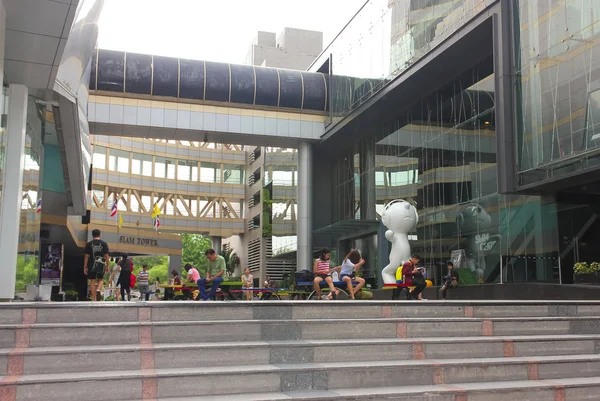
(304, 199)
(12, 188)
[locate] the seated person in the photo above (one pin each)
(352, 263)
(214, 275)
(322, 270)
(450, 280)
(413, 277)
(192, 277)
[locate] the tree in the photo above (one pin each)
(193, 248)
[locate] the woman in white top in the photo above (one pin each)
(352, 262)
(248, 282)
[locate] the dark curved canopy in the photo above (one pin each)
(143, 74)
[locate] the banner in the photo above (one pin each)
(52, 264)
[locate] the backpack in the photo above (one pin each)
(99, 264)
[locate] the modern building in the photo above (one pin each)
(293, 48)
(45, 52)
(481, 113)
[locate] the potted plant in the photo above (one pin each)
(587, 273)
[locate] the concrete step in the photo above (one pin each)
(91, 334)
(15, 313)
(106, 358)
(211, 380)
(576, 389)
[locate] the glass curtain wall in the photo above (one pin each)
(29, 227)
(440, 155)
(558, 70)
(383, 40)
(281, 178)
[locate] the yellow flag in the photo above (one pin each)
(155, 211)
(120, 220)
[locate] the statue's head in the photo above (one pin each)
(400, 216)
(472, 217)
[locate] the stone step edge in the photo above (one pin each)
(162, 304)
(289, 368)
(61, 350)
(290, 321)
(557, 385)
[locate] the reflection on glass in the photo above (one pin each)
(29, 227)
(440, 155)
(557, 92)
(384, 39)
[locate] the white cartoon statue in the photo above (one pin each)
(400, 217)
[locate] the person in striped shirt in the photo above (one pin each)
(322, 270)
(142, 279)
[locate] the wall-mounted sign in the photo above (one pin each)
(138, 241)
(52, 264)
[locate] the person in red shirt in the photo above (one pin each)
(412, 277)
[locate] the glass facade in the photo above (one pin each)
(384, 39)
(440, 155)
(29, 227)
(170, 173)
(558, 77)
(281, 177)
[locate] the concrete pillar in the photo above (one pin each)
(217, 244)
(304, 201)
(12, 188)
(175, 262)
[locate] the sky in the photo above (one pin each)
(213, 30)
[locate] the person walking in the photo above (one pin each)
(95, 261)
(125, 276)
(214, 274)
(114, 279)
(143, 282)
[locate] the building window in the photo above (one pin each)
(118, 160)
(187, 170)
(209, 172)
(99, 157)
(136, 163)
(233, 174)
(160, 169)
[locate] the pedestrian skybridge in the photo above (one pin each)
(171, 98)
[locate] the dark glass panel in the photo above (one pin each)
(267, 86)
(217, 81)
(166, 70)
(111, 70)
(242, 84)
(290, 87)
(191, 79)
(314, 91)
(138, 78)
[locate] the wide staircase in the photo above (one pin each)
(309, 350)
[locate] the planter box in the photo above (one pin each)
(587, 278)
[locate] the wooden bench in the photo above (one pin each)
(339, 285)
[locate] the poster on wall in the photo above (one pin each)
(52, 264)
(458, 258)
